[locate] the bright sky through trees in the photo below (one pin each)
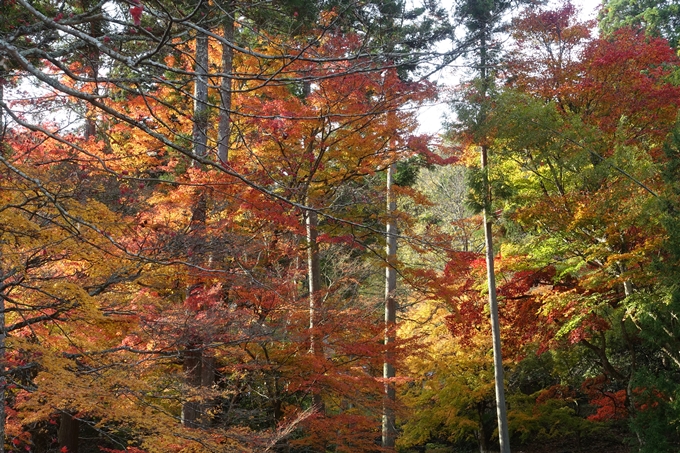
(431, 117)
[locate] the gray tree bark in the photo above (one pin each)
(501, 411)
(314, 280)
(389, 430)
(224, 126)
(200, 120)
(3, 367)
(192, 372)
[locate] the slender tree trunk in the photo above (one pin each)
(200, 129)
(3, 74)
(207, 381)
(90, 114)
(503, 433)
(199, 371)
(3, 367)
(314, 279)
(501, 411)
(389, 430)
(193, 355)
(224, 126)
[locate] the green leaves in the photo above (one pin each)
(482, 182)
(657, 18)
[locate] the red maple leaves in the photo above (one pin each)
(136, 12)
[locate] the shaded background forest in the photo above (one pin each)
(221, 231)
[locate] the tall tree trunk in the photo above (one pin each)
(200, 120)
(389, 430)
(501, 411)
(193, 355)
(199, 369)
(314, 279)
(92, 72)
(207, 381)
(3, 75)
(3, 367)
(224, 126)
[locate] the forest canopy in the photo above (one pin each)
(222, 231)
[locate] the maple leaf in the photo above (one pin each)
(136, 13)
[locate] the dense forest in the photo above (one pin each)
(222, 231)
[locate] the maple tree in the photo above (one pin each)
(450, 396)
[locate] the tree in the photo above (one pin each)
(451, 394)
(584, 166)
(483, 21)
(659, 19)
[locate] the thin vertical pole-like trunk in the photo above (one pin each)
(200, 120)
(3, 367)
(314, 280)
(482, 430)
(199, 371)
(389, 430)
(501, 411)
(3, 75)
(224, 126)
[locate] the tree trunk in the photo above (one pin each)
(483, 435)
(200, 120)
(501, 412)
(224, 126)
(207, 381)
(3, 74)
(3, 368)
(68, 433)
(389, 430)
(314, 279)
(90, 114)
(503, 433)
(191, 409)
(198, 369)
(92, 62)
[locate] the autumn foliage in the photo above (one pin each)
(158, 299)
